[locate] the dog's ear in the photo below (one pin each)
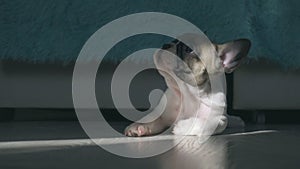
(232, 53)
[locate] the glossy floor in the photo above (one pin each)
(39, 145)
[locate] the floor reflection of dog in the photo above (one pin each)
(192, 154)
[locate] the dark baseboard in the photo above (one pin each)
(7, 114)
(112, 115)
(270, 116)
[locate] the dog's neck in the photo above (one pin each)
(204, 94)
(204, 89)
(199, 91)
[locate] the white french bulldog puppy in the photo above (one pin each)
(189, 90)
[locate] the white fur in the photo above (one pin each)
(191, 126)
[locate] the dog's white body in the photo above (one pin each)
(188, 112)
(195, 110)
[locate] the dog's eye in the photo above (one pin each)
(188, 50)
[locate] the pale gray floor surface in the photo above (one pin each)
(64, 145)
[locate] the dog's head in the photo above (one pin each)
(189, 64)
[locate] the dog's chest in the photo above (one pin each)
(201, 105)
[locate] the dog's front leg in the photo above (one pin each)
(167, 112)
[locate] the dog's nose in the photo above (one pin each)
(166, 46)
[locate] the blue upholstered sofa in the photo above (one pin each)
(40, 40)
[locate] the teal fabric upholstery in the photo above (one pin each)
(55, 30)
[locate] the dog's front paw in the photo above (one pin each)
(137, 130)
